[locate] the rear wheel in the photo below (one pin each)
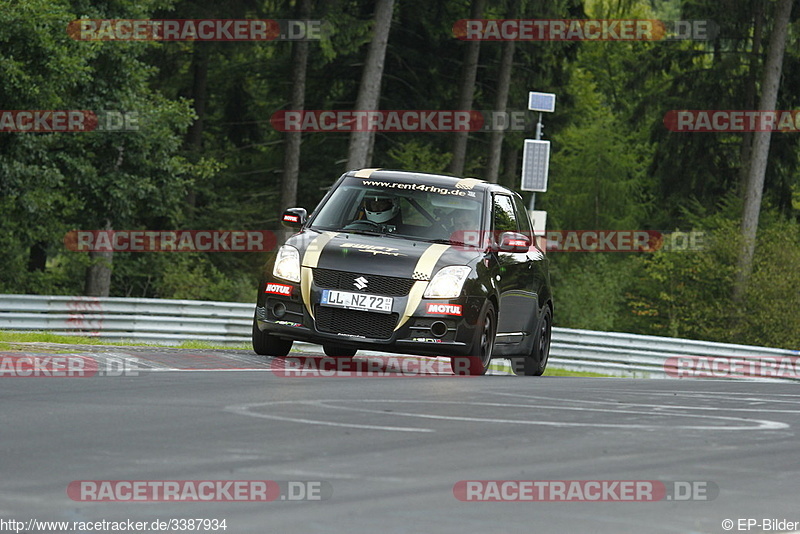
(266, 344)
(535, 363)
(480, 353)
(334, 351)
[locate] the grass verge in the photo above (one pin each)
(7, 338)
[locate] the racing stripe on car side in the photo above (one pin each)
(425, 267)
(310, 260)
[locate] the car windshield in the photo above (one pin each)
(417, 210)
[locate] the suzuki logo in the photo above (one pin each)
(360, 282)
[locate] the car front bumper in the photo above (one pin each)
(446, 328)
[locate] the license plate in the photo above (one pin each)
(356, 301)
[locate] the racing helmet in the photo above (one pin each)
(380, 208)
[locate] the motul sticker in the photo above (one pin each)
(279, 289)
(444, 309)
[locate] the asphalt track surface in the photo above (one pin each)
(392, 449)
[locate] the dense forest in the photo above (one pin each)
(206, 153)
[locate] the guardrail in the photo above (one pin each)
(173, 321)
(636, 355)
(142, 320)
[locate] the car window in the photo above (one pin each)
(522, 217)
(503, 217)
(418, 210)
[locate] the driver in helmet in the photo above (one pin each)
(382, 209)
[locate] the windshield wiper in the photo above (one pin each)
(446, 242)
(362, 232)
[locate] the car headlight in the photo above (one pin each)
(287, 264)
(447, 283)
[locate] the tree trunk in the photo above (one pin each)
(761, 140)
(370, 89)
(466, 93)
(37, 257)
(291, 160)
(98, 274)
(510, 168)
(194, 136)
(750, 94)
(501, 102)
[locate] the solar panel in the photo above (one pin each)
(541, 101)
(535, 164)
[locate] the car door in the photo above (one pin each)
(538, 270)
(513, 275)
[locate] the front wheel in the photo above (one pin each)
(535, 363)
(266, 344)
(480, 353)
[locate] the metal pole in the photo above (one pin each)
(539, 127)
(538, 137)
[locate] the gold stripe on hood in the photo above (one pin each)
(310, 261)
(424, 267)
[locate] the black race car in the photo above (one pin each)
(410, 263)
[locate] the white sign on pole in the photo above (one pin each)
(539, 221)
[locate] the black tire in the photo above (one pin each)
(480, 352)
(536, 362)
(334, 351)
(268, 345)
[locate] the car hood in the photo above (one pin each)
(378, 255)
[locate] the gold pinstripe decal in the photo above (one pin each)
(310, 260)
(468, 183)
(365, 173)
(425, 266)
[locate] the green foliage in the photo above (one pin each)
(589, 291)
(193, 276)
(421, 157)
(688, 293)
(598, 171)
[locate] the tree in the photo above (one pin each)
(466, 92)
(99, 179)
(761, 140)
(370, 89)
(501, 101)
(291, 160)
(750, 91)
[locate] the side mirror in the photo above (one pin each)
(294, 218)
(514, 242)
